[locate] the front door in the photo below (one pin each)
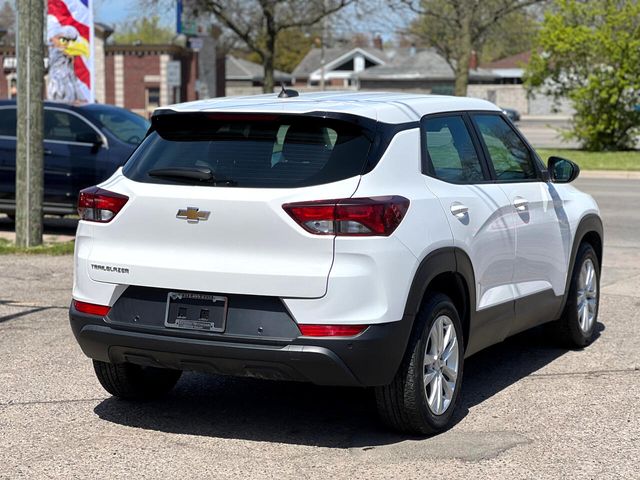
(542, 228)
(71, 156)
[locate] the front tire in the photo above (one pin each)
(577, 323)
(423, 396)
(134, 382)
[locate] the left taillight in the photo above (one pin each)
(98, 205)
(91, 308)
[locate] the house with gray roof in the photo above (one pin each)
(340, 64)
(243, 73)
(423, 71)
(365, 68)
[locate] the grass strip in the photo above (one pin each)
(629, 160)
(51, 248)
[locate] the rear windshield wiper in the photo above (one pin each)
(190, 174)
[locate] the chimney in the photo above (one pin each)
(377, 42)
(473, 60)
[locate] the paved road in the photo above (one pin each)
(530, 409)
(545, 132)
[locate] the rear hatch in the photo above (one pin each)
(205, 212)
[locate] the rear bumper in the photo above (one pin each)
(369, 359)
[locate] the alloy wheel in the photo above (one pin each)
(441, 362)
(587, 295)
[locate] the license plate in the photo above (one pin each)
(196, 311)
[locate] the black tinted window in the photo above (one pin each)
(510, 156)
(451, 151)
(66, 127)
(8, 122)
(252, 151)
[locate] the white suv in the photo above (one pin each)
(363, 239)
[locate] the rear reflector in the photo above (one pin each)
(331, 330)
(91, 308)
(98, 205)
(375, 216)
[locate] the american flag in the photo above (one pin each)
(79, 15)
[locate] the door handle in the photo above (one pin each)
(520, 203)
(459, 210)
(47, 152)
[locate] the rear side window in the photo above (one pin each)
(451, 152)
(258, 151)
(509, 155)
(65, 127)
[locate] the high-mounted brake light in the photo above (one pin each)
(98, 205)
(91, 308)
(332, 330)
(375, 216)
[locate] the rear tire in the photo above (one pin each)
(423, 395)
(577, 324)
(133, 382)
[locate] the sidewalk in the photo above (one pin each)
(59, 230)
(621, 174)
(46, 238)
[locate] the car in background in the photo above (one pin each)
(512, 113)
(82, 145)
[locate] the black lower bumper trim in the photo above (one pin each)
(371, 358)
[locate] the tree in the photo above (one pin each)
(258, 23)
(7, 23)
(514, 33)
(146, 31)
(456, 28)
(291, 47)
(589, 52)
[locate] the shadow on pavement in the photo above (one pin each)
(304, 414)
(52, 225)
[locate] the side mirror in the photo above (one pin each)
(562, 170)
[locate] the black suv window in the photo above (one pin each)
(451, 151)
(261, 151)
(66, 127)
(509, 155)
(8, 122)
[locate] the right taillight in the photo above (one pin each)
(98, 205)
(374, 216)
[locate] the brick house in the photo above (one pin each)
(135, 76)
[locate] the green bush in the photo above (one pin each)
(589, 52)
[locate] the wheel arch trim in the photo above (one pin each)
(589, 224)
(442, 261)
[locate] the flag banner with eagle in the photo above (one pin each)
(70, 42)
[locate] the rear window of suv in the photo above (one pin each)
(255, 151)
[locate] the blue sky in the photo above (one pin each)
(117, 12)
(114, 12)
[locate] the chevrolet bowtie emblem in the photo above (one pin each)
(193, 215)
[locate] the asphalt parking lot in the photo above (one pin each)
(529, 409)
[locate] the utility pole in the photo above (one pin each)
(29, 161)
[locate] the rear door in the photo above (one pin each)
(480, 219)
(71, 158)
(7, 154)
(229, 234)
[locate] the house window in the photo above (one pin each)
(153, 97)
(347, 66)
